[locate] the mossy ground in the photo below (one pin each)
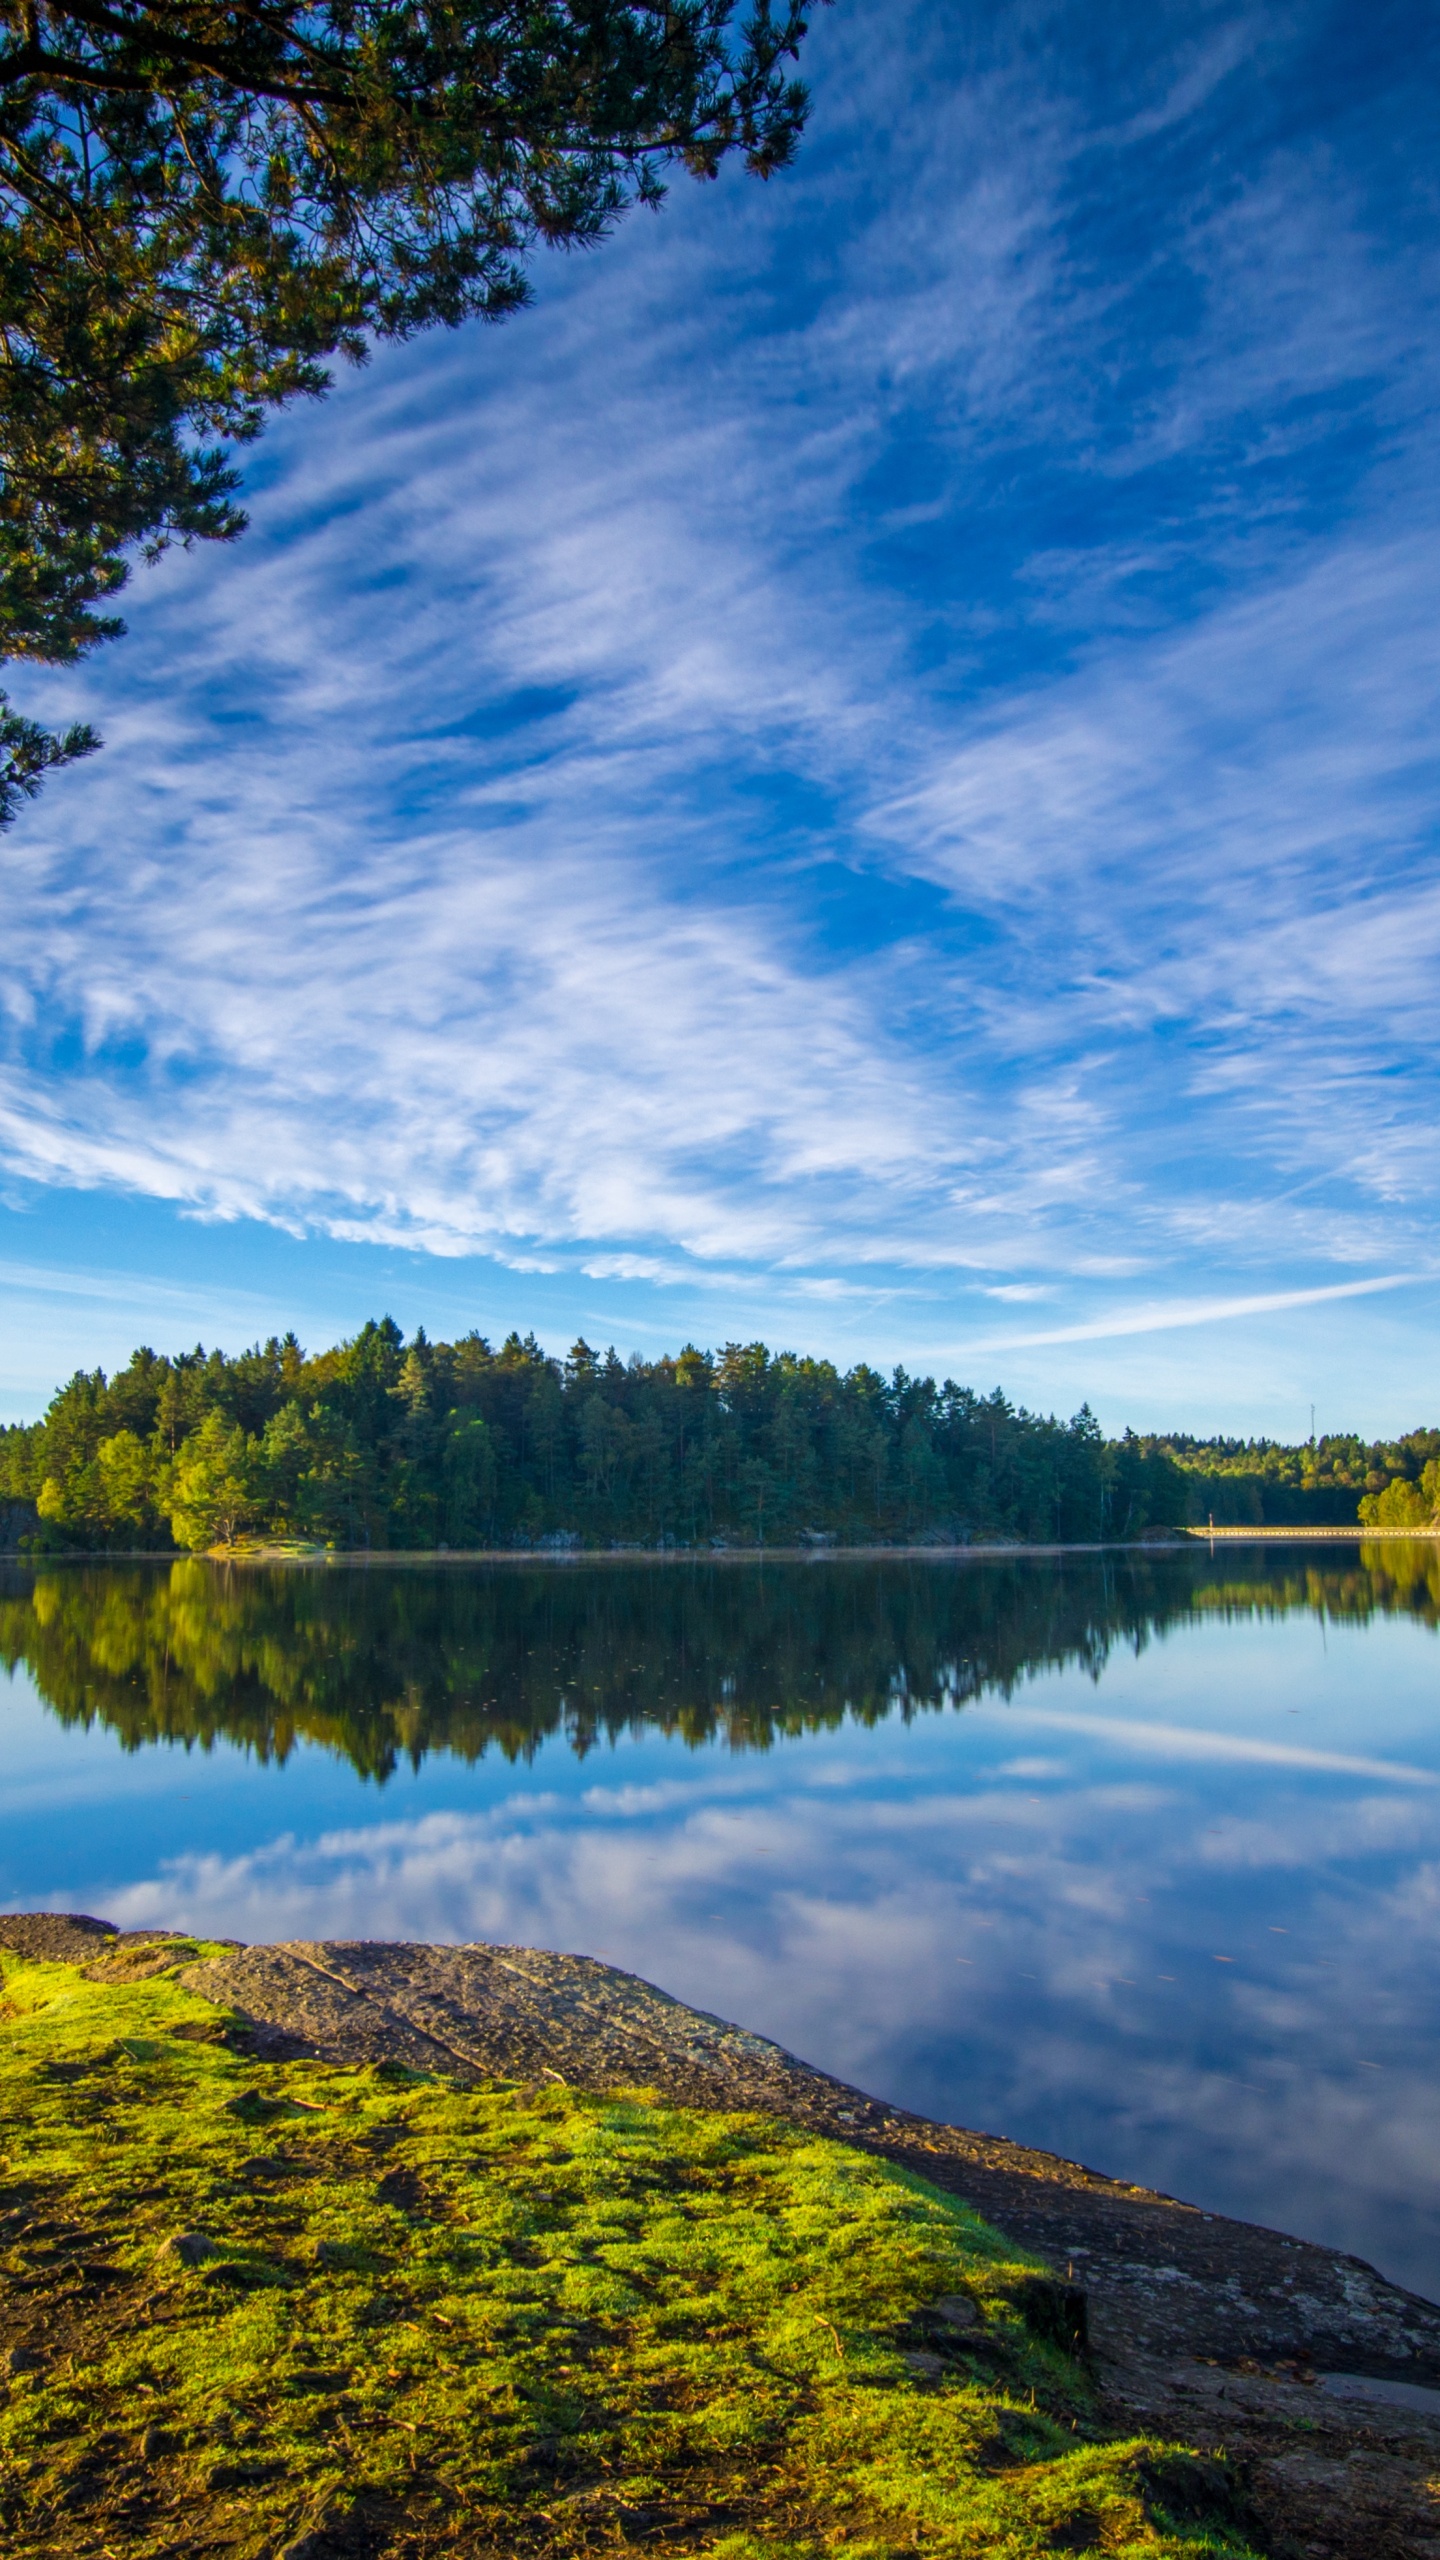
(253, 2308)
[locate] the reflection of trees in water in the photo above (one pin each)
(375, 1664)
(1379, 1577)
(1408, 1571)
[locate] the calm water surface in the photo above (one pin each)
(1134, 1857)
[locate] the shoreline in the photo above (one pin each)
(400, 2298)
(987, 1551)
(1273, 2352)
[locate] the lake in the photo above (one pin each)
(1132, 1855)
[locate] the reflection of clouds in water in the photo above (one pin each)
(1303, 2140)
(666, 1794)
(816, 1886)
(976, 1952)
(1305, 1833)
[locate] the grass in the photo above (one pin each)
(257, 2309)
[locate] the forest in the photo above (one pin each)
(382, 1445)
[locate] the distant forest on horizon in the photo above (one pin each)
(386, 1445)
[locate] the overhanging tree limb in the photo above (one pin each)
(28, 753)
(202, 202)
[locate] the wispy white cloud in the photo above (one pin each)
(885, 735)
(1120, 1321)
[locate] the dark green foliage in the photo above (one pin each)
(28, 753)
(380, 1444)
(200, 202)
(1319, 1481)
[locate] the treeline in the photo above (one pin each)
(1334, 1480)
(382, 1444)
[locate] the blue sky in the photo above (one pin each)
(864, 774)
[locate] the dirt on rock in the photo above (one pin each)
(1221, 2333)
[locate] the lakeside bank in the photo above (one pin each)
(271, 2296)
(820, 1551)
(248, 2276)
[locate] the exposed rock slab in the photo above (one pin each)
(57, 1937)
(1163, 2278)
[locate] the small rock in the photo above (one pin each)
(957, 2310)
(154, 2442)
(924, 2366)
(23, 2360)
(192, 2248)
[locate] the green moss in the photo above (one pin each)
(264, 2300)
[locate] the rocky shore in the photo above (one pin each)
(1319, 2379)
